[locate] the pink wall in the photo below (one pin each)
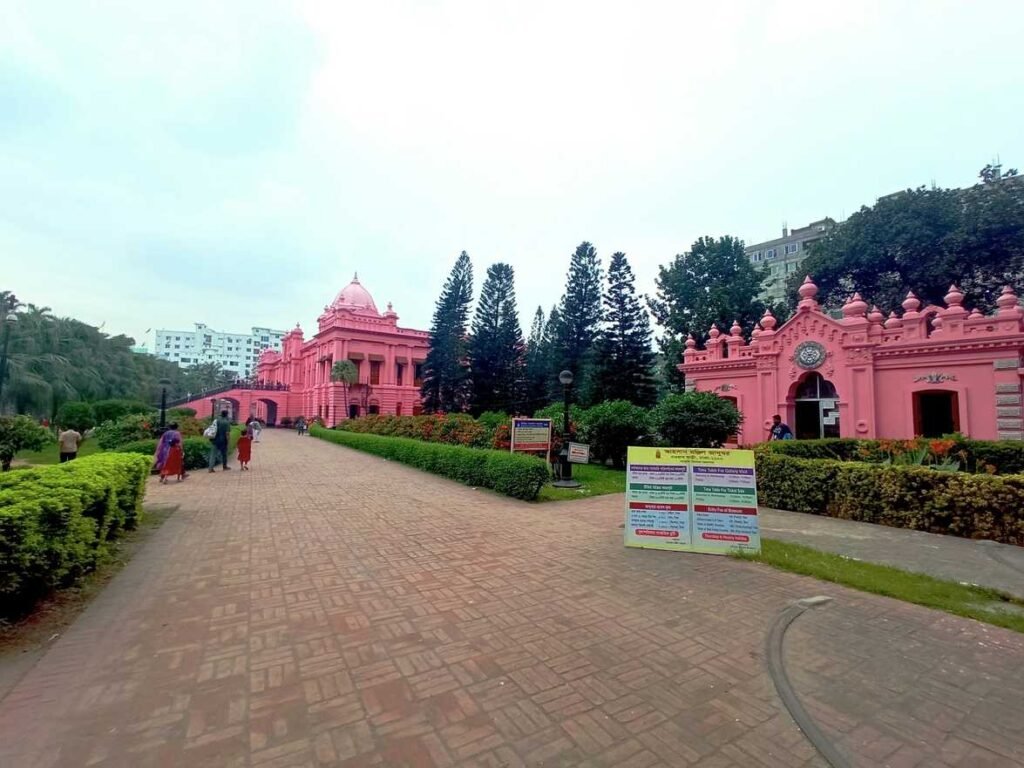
(893, 377)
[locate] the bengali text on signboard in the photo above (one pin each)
(691, 499)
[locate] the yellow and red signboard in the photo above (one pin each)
(691, 500)
(531, 435)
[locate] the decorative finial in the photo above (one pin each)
(768, 320)
(691, 343)
(1007, 301)
(736, 330)
(893, 321)
(714, 333)
(808, 290)
(875, 315)
(954, 298)
(911, 303)
(855, 307)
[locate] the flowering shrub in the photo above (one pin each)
(450, 428)
(127, 429)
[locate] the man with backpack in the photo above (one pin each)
(218, 433)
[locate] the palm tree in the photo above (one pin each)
(345, 371)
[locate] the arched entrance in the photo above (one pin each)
(936, 413)
(816, 406)
(270, 411)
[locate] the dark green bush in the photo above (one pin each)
(611, 427)
(976, 506)
(695, 420)
(20, 433)
(112, 410)
(55, 522)
(76, 415)
(511, 474)
(837, 449)
(127, 429)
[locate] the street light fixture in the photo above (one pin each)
(565, 481)
(164, 384)
(9, 322)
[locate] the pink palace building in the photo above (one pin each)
(297, 381)
(929, 371)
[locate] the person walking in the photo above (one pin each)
(69, 440)
(300, 425)
(170, 456)
(245, 448)
(256, 427)
(219, 447)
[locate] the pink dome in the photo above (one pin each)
(354, 296)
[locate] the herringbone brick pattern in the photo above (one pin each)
(332, 609)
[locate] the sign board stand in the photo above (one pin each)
(691, 500)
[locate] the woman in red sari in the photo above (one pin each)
(170, 456)
(245, 448)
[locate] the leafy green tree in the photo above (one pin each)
(20, 433)
(611, 427)
(204, 377)
(496, 348)
(579, 318)
(623, 368)
(446, 371)
(76, 415)
(712, 283)
(345, 372)
(695, 420)
(923, 240)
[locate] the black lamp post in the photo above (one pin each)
(9, 322)
(164, 383)
(566, 481)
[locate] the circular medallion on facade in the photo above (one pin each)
(809, 355)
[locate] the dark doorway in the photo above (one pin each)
(374, 410)
(936, 413)
(817, 408)
(353, 411)
(271, 411)
(808, 420)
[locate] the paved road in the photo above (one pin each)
(332, 609)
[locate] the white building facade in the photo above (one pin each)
(235, 352)
(782, 257)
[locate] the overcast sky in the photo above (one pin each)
(235, 163)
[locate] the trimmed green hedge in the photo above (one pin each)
(974, 506)
(511, 474)
(55, 522)
(197, 449)
(999, 457)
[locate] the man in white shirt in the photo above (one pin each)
(68, 440)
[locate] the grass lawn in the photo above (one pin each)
(987, 605)
(51, 453)
(595, 481)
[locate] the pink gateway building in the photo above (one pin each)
(930, 371)
(297, 380)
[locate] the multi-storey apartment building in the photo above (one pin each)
(782, 257)
(235, 352)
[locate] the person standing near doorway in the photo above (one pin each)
(219, 447)
(779, 430)
(69, 440)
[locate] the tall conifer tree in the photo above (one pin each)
(496, 348)
(579, 318)
(446, 370)
(623, 367)
(538, 364)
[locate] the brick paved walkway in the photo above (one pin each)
(329, 608)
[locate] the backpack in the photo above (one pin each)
(211, 431)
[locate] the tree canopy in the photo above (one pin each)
(579, 316)
(496, 348)
(624, 361)
(712, 283)
(923, 240)
(446, 369)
